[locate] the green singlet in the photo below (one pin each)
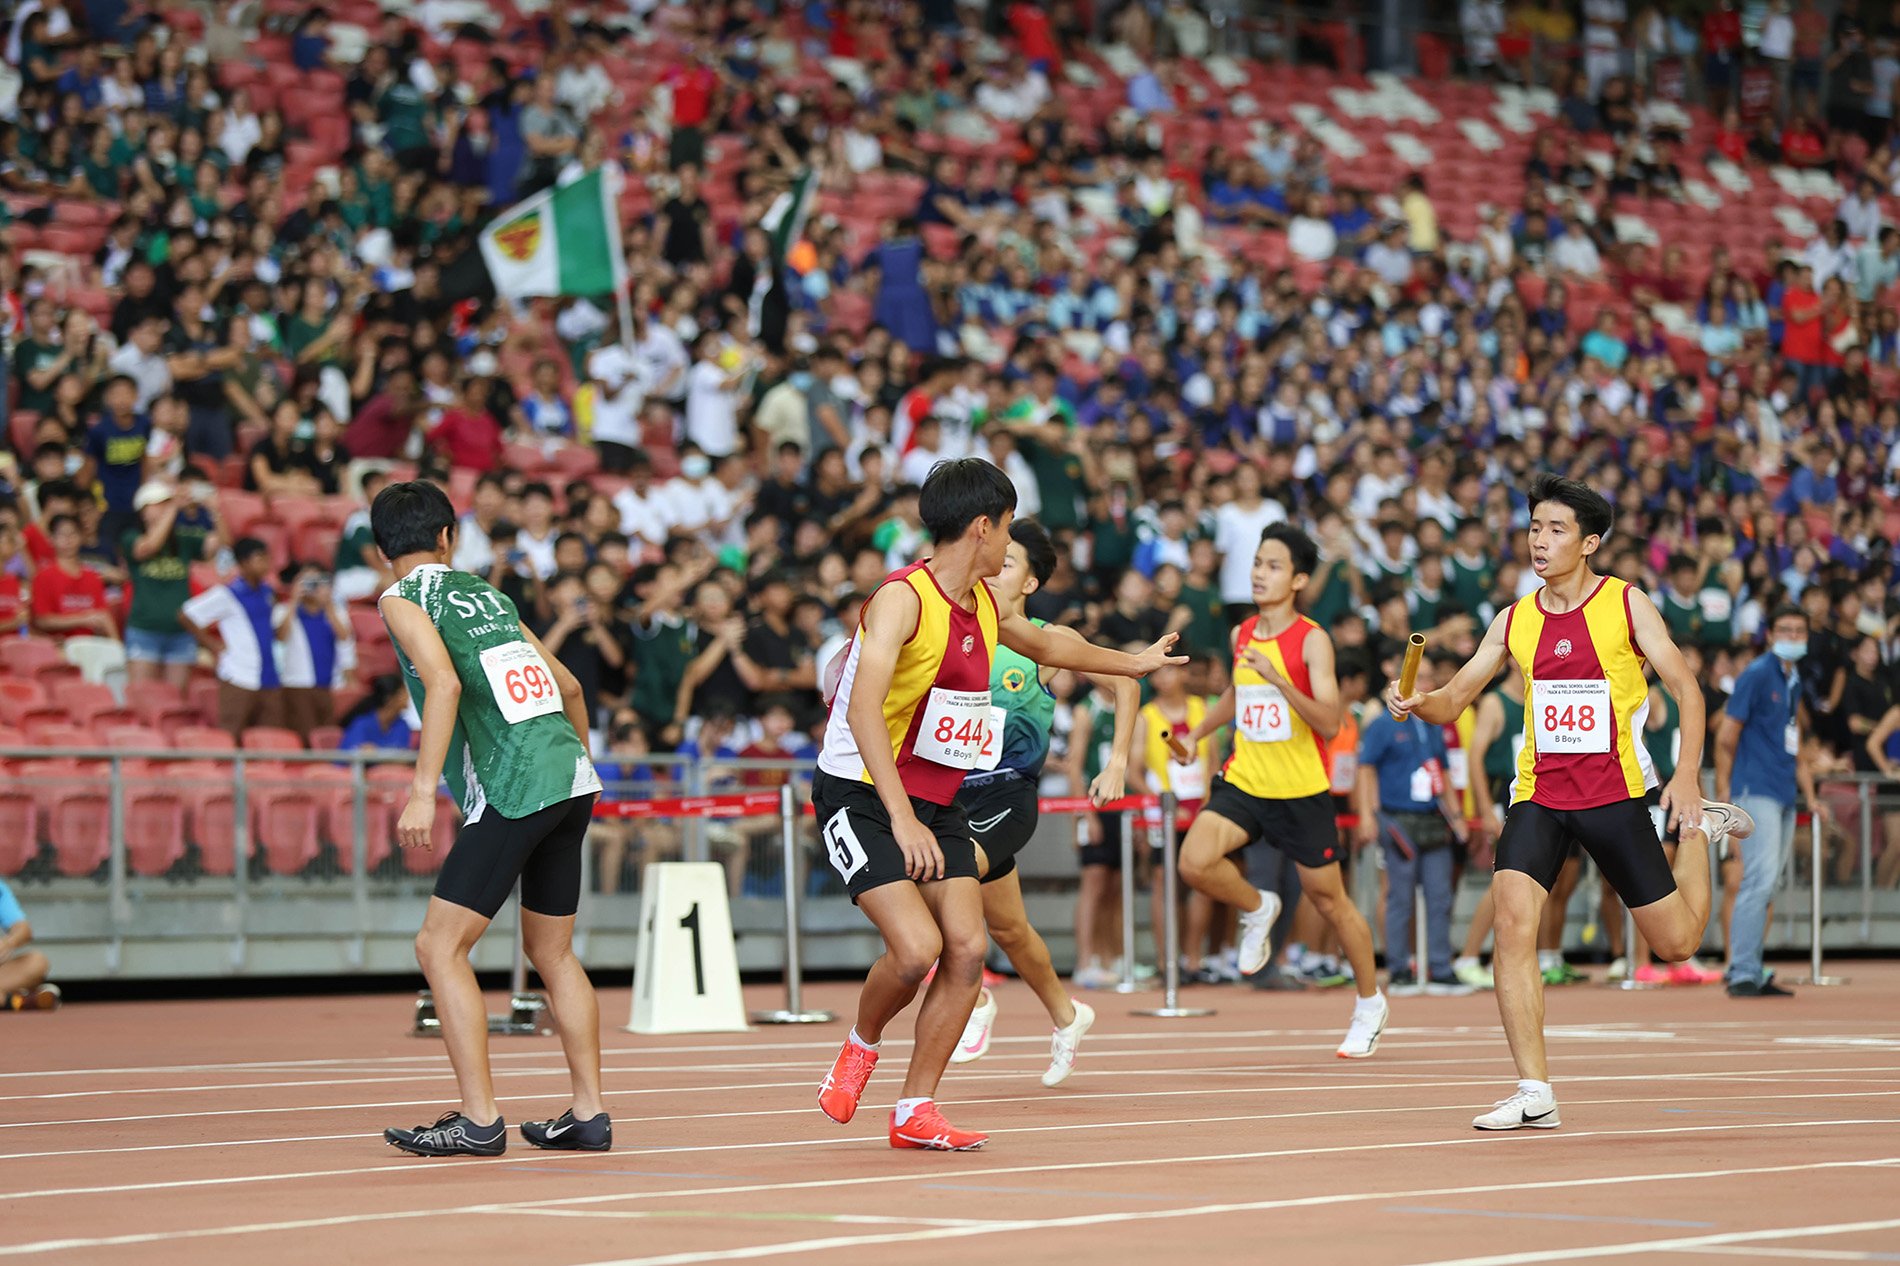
(512, 746)
(1028, 708)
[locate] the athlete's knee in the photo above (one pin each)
(438, 947)
(1197, 864)
(1515, 920)
(1012, 935)
(913, 955)
(34, 967)
(1674, 945)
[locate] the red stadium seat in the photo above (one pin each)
(316, 542)
(242, 510)
(270, 738)
(133, 736)
(154, 821)
(203, 738)
(148, 698)
(61, 733)
(18, 696)
(75, 803)
(86, 700)
(284, 816)
(27, 656)
(209, 797)
(19, 828)
(326, 738)
(335, 792)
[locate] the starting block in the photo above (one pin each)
(526, 1017)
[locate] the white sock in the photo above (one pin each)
(905, 1107)
(1463, 961)
(1373, 1003)
(1534, 1087)
(855, 1040)
(1548, 960)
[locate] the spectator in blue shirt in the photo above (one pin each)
(379, 721)
(23, 971)
(1406, 806)
(1758, 766)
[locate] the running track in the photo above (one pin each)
(1697, 1130)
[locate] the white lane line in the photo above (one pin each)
(834, 1140)
(1088, 1220)
(1039, 1056)
(1798, 1254)
(1669, 1245)
(1752, 1030)
(1408, 1069)
(1859, 1076)
(861, 1219)
(1378, 1109)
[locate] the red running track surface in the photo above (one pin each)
(1696, 1129)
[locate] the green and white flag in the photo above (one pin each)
(563, 241)
(784, 220)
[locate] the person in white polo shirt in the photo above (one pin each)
(234, 621)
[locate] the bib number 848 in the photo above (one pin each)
(1573, 717)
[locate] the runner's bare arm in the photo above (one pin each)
(573, 702)
(412, 630)
(1045, 646)
(1113, 779)
(1219, 713)
(889, 620)
(1682, 798)
(1447, 703)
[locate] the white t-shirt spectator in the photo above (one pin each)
(474, 552)
(663, 362)
(1861, 216)
(1310, 237)
(153, 373)
(696, 505)
(1237, 536)
(620, 390)
(242, 662)
(1575, 253)
(643, 518)
(1392, 263)
(712, 411)
(540, 551)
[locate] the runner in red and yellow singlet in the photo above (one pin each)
(1584, 773)
(1284, 706)
(908, 719)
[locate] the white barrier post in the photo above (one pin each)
(1815, 863)
(1170, 1008)
(794, 1011)
(1127, 983)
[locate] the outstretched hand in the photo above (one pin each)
(1158, 656)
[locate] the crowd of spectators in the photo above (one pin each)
(689, 507)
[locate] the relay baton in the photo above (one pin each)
(1176, 748)
(1408, 672)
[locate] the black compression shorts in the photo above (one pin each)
(1002, 815)
(1622, 837)
(542, 849)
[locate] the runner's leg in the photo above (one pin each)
(911, 945)
(1519, 906)
(1674, 925)
(1008, 922)
(1207, 865)
(448, 933)
(957, 908)
(549, 943)
(1323, 886)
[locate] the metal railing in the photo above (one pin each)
(206, 863)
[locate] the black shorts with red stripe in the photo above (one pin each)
(1304, 828)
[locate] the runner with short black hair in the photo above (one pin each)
(1584, 773)
(509, 723)
(907, 722)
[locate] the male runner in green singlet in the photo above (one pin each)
(999, 798)
(507, 723)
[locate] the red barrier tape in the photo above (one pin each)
(691, 806)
